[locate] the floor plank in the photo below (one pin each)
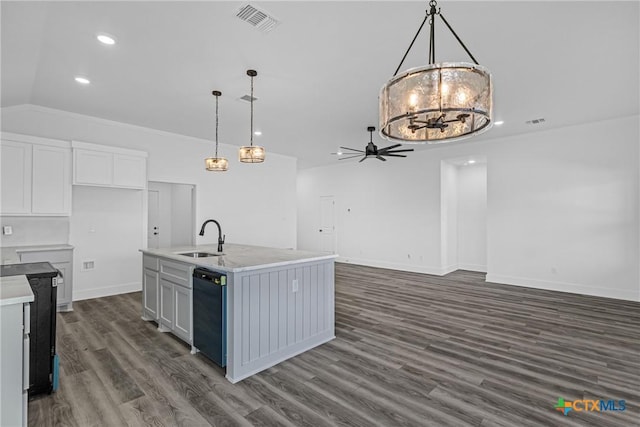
(410, 349)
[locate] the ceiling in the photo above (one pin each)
(319, 71)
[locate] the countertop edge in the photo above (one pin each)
(18, 289)
(194, 261)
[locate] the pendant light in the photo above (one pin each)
(439, 102)
(251, 153)
(216, 164)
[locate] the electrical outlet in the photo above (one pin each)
(294, 285)
(88, 265)
(7, 230)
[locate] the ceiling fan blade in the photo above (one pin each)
(391, 146)
(395, 155)
(381, 158)
(362, 159)
(352, 149)
(400, 151)
(349, 157)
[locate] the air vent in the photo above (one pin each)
(247, 98)
(535, 121)
(259, 19)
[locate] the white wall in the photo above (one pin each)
(472, 217)
(449, 216)
(562, 208)
(106, 229)
(182, 229)
(34, 230)
(254, 203)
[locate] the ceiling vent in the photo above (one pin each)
(535, 121)
(247, 98)
(259, 19)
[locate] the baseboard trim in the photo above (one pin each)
(573, 288)
(107, 291)
(394, 266)
(473, 267)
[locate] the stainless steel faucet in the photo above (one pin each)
(220, 236)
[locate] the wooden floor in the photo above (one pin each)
(411, 349)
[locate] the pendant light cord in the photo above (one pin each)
(251, 111)
(216, 126)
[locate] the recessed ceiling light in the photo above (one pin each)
(82, 80)
(106, 39)
(499, 122)
(471, 162)
(258, 133)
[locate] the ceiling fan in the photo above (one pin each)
(371, 150)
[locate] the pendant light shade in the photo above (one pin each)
(251, 153)
(439, 102)
(216, 164)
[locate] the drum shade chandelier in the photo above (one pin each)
(251, 153)
(216, 164)
(439, 102)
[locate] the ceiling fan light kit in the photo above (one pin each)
(251, 153)
(440, 102)
(216, 164)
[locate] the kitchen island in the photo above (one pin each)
(280, 302)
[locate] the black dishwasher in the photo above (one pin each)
(210, 314)
(42, 343)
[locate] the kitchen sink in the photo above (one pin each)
(198, 254)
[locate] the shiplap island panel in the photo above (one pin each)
(280, 302)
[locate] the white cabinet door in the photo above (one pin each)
(129, 171)
(92, 167)
(16, 177)
(166, 317)
(51, 192)
(182, 319)
(150, 294)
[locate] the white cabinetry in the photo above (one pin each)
(14, 363)
(167, 289)
(36, 176)
(104, 166)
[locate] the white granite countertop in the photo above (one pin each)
(15, 290)
(237, 258)
(11, 254)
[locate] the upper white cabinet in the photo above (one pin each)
(106, 166)
(35, 175)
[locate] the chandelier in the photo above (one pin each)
(251, 153)
(439, 102)
(216, 164)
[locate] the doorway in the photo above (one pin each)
(327, 229)
(464, 214)
(171, 215)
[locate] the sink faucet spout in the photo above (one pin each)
(221, 238)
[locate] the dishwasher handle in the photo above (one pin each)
(210, 276)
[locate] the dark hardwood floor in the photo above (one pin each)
(410, 350)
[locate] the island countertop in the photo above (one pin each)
(236, 258)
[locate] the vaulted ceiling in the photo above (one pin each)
(320, 70)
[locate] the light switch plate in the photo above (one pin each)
(7, 230)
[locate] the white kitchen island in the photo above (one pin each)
(280, 302)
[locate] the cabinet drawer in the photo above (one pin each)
(48, 256)
(150, 262)
(176, 272)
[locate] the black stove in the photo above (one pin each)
(40, 269)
